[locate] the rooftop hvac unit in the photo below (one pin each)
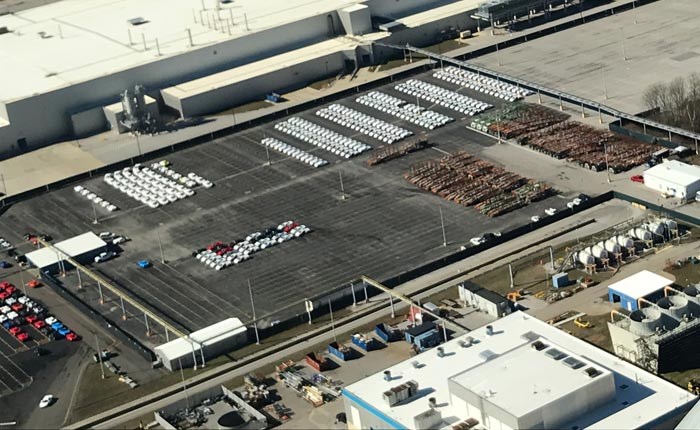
(538, 345)
(400, 393)
(674, 306)
(573, 363)
(555, 354)
(592, 372)
(429, 419)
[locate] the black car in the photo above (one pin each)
(20, 258)
(46, 237)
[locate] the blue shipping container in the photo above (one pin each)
(560, 280)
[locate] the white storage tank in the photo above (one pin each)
(598, 251)
(611, 245)
(654, 227)
(640, 233)
(585, 258)
(671, 224)
(624, 241)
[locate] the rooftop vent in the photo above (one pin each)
(400, 393)
(555, 354)
(538, 345)
(530, 335)
(487, 354)
(592, 372)
(573, 363)
(4, 30)
(139, 20)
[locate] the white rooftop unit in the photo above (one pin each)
(85, 244)
(209, 342)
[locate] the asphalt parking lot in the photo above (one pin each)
(384, 227)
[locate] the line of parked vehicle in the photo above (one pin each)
(294, 152)
(399, 108)
(220, 255)
(482, 84)
(322, 137)
(190, 180)
(93, 197)
(150, 187)
(443, 97)
(18, 310)
(363, 123)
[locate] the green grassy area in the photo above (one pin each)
(445, 46)
(322, 84)
(392, 64)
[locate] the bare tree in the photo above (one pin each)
(678, 101)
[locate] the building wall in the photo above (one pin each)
(623, 342)
(356, 408)
(221, 98)
(54, 108)
(680, 352)
(662, 185)
(399, 8)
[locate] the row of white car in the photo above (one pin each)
(442, 96)
(294, 152)
(93, 197)
(322, 137)
(409, 112)
(220, 255)
(482, 84)
(190, 180)
(363, 123)
(147, 186)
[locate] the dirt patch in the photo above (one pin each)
(597, 334)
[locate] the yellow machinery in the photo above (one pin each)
(516, 295)
(694, 387)
(582, 323)
(541, 294)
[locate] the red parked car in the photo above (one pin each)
(638, 178)
(72, 337)
(39, 324)
(4, 284)
(17, 307)
(10, 290)
(4, 295)
(22, 336)
(33, 283)
(215, 246)
(14, 330)
(30, 319)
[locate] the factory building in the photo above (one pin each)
(80, 67)
(516, 373)
(662, 335)
(642, 285)
(674, 178)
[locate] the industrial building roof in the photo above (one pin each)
(215, 333)
(641, 284)
(651, 399)
(67, 42)
(489, 295)
(73, 247)
(675, 172)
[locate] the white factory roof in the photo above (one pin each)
(640, 284)
(657, 397)
(78, 245)
(210, 335)
(93, 38)
(675, 172)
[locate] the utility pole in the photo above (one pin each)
(184, 385)
(99, 355)
(94, 212)
(160, 244)
(255, 323)
(332, 322)
(607, 167)
(605, 83)
(342, 187)
(498, 54)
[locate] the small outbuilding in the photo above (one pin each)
(82, 248)
(642, 285)
(485, 300)
(674, 178)
(203, 345)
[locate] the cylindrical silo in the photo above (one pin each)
(645, 321)
(640, 233)
(624, 241)
(611, 245)
(675, 306)
(654, 227)
(585, 258)
(598, 251)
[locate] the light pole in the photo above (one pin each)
(160, 244)
(138, 143)
(498, 54)
(184, 386)
(605, 83)
(255, 323)
(442, 224)
(94, 212)
(624, 51)
(607, 167)
(99, 355)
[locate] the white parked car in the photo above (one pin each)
(550, 211)
(535, 218)
(477, 240)
(104, 256)
(46, 401)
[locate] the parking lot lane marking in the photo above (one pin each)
(439, 150)
(12, 348)
(12, 375)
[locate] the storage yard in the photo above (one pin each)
(224, 191)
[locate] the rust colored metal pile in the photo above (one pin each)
(587, 146)
(391, 152)
(526, 120)
(468, 180)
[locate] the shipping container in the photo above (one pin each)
(386, 333)
(365, 343)
(316, 362)
(339, 350)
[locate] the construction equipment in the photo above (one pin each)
(694, 386)
(540, 294)
(516, 295)
(582, 323)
